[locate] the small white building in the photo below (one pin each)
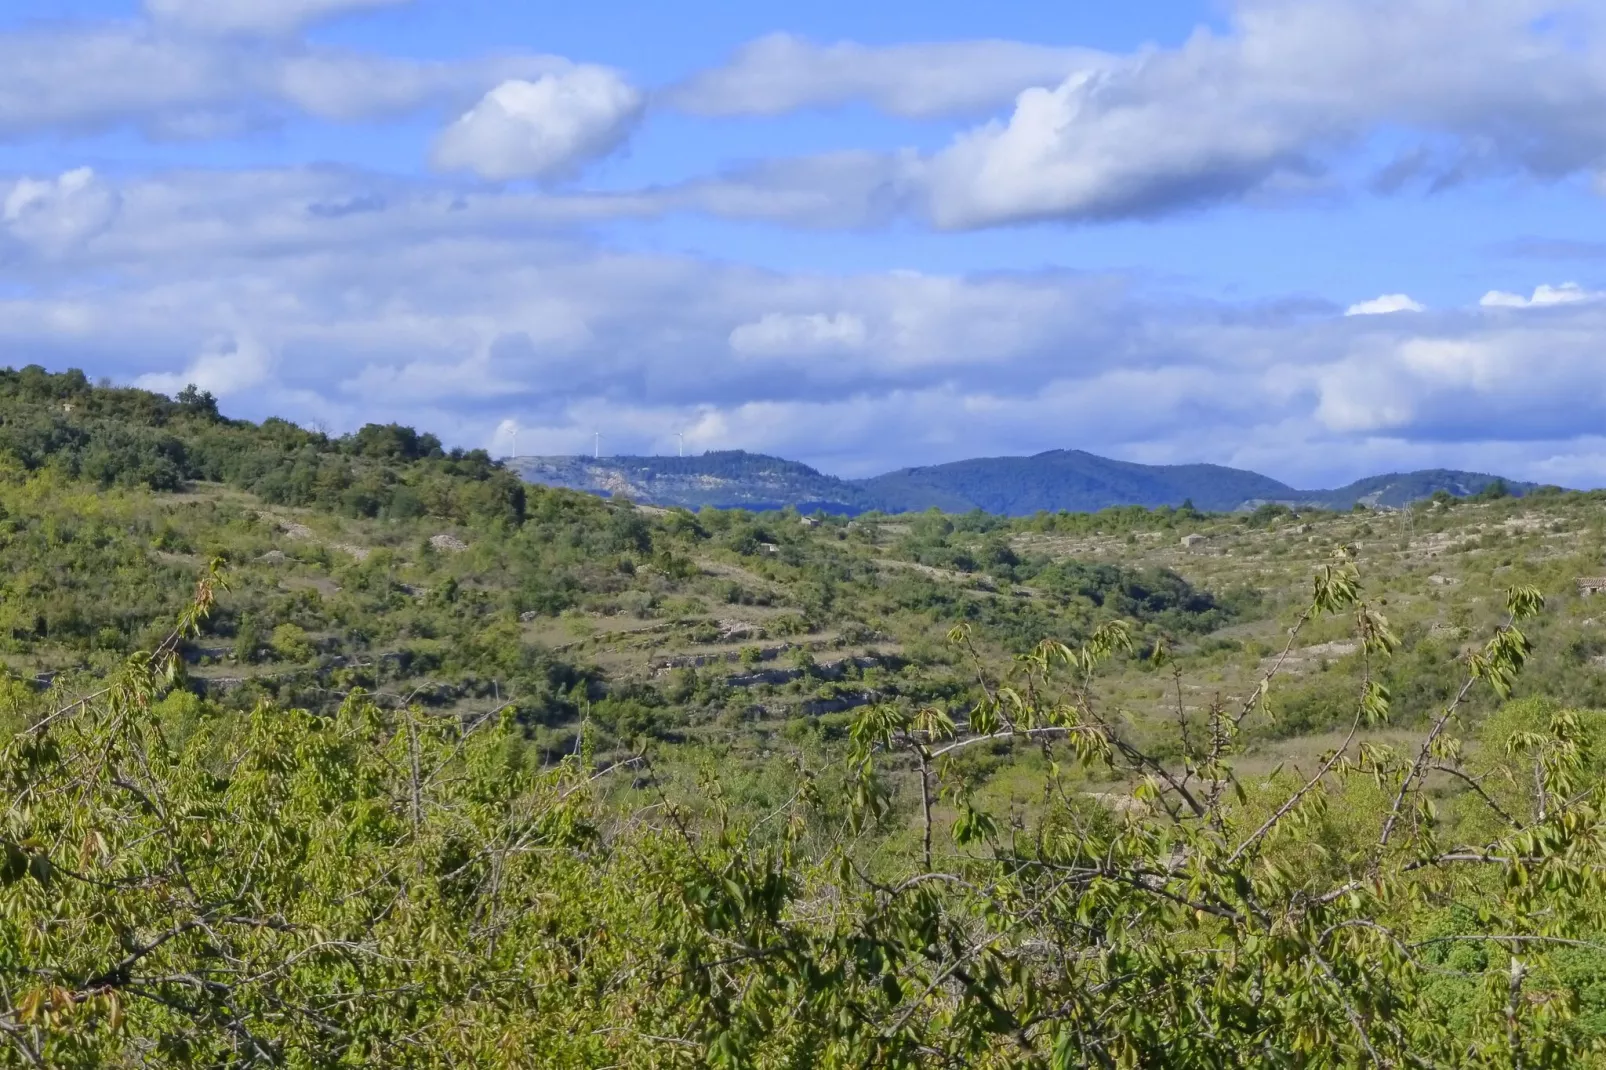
(1193, 540)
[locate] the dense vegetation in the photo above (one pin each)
(438, 769)
(134, 438)
(375, 888)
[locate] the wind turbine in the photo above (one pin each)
(596, 453)
(682, 436)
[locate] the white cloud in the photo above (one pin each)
(1382, 306)
(780, 334)
(1469, 379)
(256, 16)
(55, 215)
(1274, 100)
(347, 298)
(1280, 104)
(1544, 296)
(782, 72)
(227, 367)
(1276, 104)
(422, 381)
(831, 190)
(175, 86)
(542, 129)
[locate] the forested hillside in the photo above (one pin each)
(1078, 481)
(355, 751)
(115, 437)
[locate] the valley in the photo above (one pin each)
(734, 704)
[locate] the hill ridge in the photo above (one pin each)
(1071, 480)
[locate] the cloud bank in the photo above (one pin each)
(1544, 296)
(176, 86)
(1382, 306)
(460, 316)
(271, 17)
(1291, 99)
(1284, 102)
(783, 72)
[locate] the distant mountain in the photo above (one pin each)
(724, 479)
(1402, 488)
(1071, 480)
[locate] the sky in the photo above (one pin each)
(1321, 239)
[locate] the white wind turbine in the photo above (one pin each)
(510, 428)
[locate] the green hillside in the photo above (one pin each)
(354, 750)
(1400, 489)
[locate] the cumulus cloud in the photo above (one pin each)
(781, 334)
(1470, 383)
(55, 215)
(1383, 305)
(782, 72)
(228, 366)
(256, 16)
(542, 129)
(1270, 103)
(1284, 102)
(1544, 296)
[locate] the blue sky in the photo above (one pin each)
(1319, 238)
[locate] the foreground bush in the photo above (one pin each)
(379, 888)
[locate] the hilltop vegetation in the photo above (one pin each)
(115, 437)
(441, 769)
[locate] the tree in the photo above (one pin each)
(193, 399)
(1493, 491)
(291, 643)
(247, 641)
